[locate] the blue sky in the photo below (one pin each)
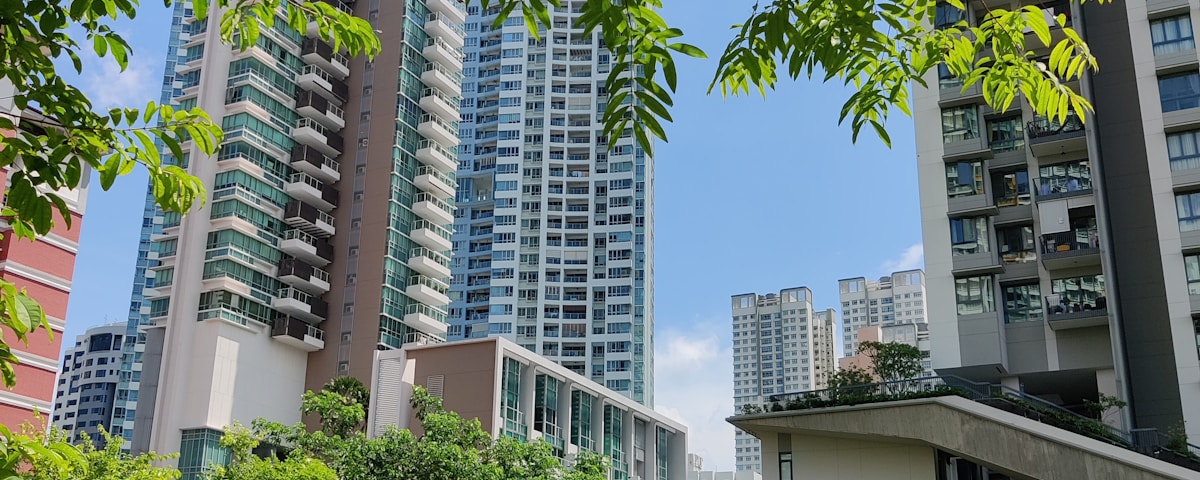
(752, 196)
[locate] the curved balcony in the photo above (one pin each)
(441, 51)
(312, 133)
(437, 156)
(434, 181)
(316, 52)
(438, 76)
(442, 131)
(311, 249)
(300, 304)
(425, 319)
(315, 79)
(297, 333)
(433, 209)
(307, 188)
(452, 9)
(316, 107)
(311, 161)
(430, 235)
(298, 274)
(429, 262)
(308, 219)
(427, 290)
(439, 25)
(438, 103)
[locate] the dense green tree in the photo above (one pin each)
(893, 361)
(87, 462)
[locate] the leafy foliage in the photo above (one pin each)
(341, 406)
(892, 361)
(245, 464)
(86, 462)
(880, 47)
(450, 448)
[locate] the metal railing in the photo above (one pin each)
(1042, 126)
(1147, 441)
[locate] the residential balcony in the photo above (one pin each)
(312, 31)
(282, 93)
(430, 235)
(316, 107)
(973, 258)
(306, 247)
(433, 209)
(316, 79)
(438, 76)
(425, 319)
(442, 131)
(1077, 302)
(311, 161)
(314, 192)
(1047, 136)
(297, 333)
(429, 262)
(1077, 248)
(454, 10)
(312, 133)
(427, 290)
(315, 51)
(309, 219)
(301, 304)
(436, 102)
(1062, 186)
(438, 24)
(434, 181)
(439, 50)
(297, 273)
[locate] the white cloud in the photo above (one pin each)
(911, 258)
(107, 86)
(694, 385)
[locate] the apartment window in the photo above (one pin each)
(1172, 34)
(1187, 208)
(1022, 303)
(1077, 294)
(1006, 134)
(974, 295)
(947, 15)
(1191, 265)
(1184, 150)
(969, 235)
(947, 80)
(1016, 244)
(962, 123)
(1011, 188)
(964, 179)
(1196, 326)
(1177, 92)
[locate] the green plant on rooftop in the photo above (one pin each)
(87, 462)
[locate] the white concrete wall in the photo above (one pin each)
(839, 458)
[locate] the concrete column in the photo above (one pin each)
(598, 424)
(627, 445)
(651, 450)
(528, 391)
(677, 456)
(564, 411)
(1106, 384)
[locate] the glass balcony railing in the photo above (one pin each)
(1063, 185)
(1042, 126)
(426, 310)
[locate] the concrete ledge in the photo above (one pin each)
(989, 436)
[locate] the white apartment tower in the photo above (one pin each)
(780, 345)
(325, 236)
(1063, 257)
(87, 383)
(553, 238)
(896, 299)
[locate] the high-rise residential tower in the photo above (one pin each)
(87, 386)
(326, 233)
(1061, 258)
(896, 299)
(780, 345)
(553, 238)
